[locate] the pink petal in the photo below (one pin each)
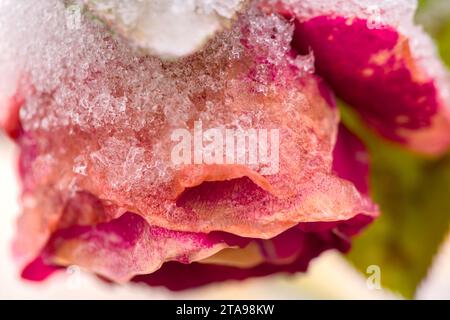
(308, 245)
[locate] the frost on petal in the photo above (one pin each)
(379, 62)
(128, 247)
(167, 28)
(289, 252)
(97, 134)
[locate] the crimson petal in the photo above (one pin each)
(378, 62)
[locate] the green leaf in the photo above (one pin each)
(414, 196)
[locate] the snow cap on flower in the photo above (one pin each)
(167, 28)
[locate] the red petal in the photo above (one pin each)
(390, 73)
(351, 159)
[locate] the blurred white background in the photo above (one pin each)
(329, 276)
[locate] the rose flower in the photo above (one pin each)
(97, 120)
